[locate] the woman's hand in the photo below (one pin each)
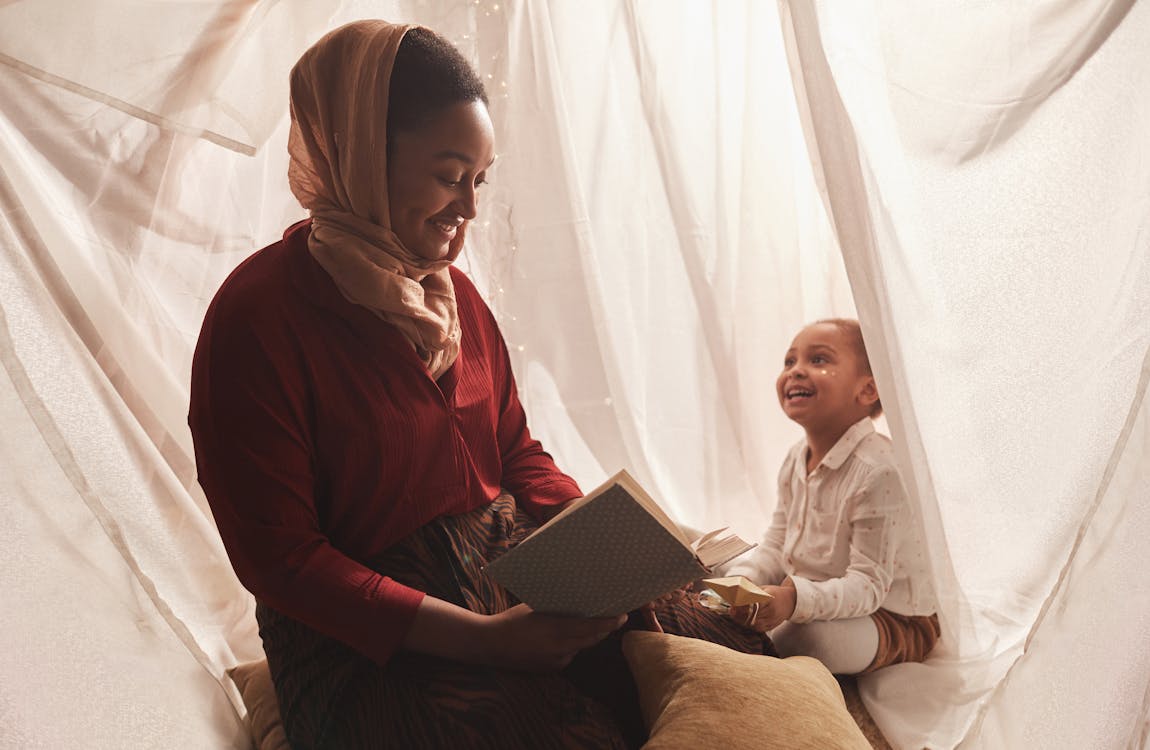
(520, 638)
(648, 609)
(768, 615)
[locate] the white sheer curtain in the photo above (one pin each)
(987, 171)
(653, 236)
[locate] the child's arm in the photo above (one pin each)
(879, 517)
(764, 564)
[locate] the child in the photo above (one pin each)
(842, 557)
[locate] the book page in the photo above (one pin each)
(718, 547)
(608, 552)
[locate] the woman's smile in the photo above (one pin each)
(433, 178)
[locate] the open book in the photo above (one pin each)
(608, 553)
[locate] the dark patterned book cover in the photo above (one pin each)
(606, 554)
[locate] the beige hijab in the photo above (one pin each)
(338, 171)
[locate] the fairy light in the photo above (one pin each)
(493, 230)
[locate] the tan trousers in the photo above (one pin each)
(903, 638)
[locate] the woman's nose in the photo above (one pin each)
(468, 202)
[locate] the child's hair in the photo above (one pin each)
(853, 331)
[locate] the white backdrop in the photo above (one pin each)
(655, 232)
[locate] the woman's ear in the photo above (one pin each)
(868, 394)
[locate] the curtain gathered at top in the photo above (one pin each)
(679, 187)
(986, 170)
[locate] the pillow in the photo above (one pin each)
(695, 693)
(255, 684)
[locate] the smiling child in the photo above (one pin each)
(842, 556)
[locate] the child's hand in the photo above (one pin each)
(768, 615)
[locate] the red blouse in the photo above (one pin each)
(321, 440)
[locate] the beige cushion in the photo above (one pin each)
(699, 694)
(255, 684)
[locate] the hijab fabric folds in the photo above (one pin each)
(338, 171)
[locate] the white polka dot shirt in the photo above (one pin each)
(844, 533)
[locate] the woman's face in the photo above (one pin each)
(433, 175)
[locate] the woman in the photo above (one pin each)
(360, 440)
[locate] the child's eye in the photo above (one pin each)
(788, 361)
(818, 359)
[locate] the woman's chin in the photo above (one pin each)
(432, 251)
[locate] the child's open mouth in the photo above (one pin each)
(799, 393)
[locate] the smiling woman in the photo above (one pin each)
(434, 177)
(440, 143)
(361, 442)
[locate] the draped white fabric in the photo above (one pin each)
(987, 174)
(674, 183)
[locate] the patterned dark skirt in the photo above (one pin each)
(331, 696)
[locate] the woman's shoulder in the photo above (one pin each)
(261, 295)
(260, 277)
(264, 283)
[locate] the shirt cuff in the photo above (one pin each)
(380, 637)
(806, 599)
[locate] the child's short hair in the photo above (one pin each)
(853, 331)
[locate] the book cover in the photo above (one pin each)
(605, 554)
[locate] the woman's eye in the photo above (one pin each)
(449, 182)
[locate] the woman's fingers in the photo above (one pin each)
(527, 640)
(595, 629)
(575, 634)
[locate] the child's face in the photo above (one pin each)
(822, 386)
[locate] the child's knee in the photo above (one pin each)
(844, 646)
(792, 639)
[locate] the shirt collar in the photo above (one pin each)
(847, 443)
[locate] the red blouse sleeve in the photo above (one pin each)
(250, 425)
